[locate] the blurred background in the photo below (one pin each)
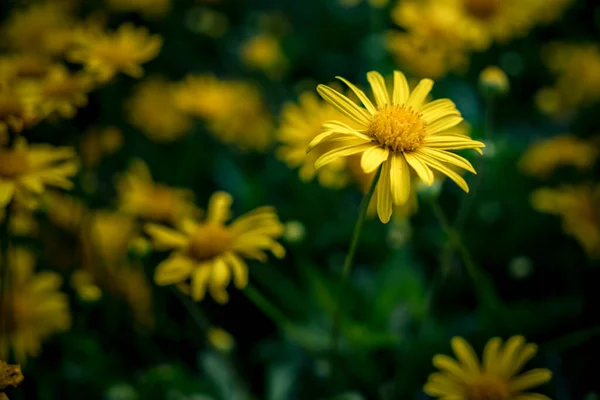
(138, 111)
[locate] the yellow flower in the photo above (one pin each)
(544, 157)
(106, 53)
(300, 124)
(98, 142)
(209, 252)
(36, 308)
(83, 283)
(167, 125)
(495, 377)
(577, 68)
(147, 8)
(14, 115)
(234, 111)
(139, 195)
(60, 92)
(25, 171)
(14, 67)
(396, 133)
(42, 28)
(579, 208)
(220, 339)
(493, 81)
(10, 375)
(263, 52)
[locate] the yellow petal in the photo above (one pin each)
(360, 94)
(465, 354)
(418, 96)
(530, 379)
(422, 170)
(7, 189)
(512, 348)
(401, 90)
(372, 158)
(164, 238)
(344, 105)
(379, 90)
(399, 179)
(357, 146)
(200, 278)
(526, 354)
(175, 269)
(219, 208)
(450, 158)
(443, 124)
(433, 163)
(384, 195)
(449, 365)
(239, 270)
(491, 355)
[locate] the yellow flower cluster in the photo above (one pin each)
(577, 71)
(233, 111)
(439, 35)
(579, 208)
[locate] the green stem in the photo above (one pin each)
(199, 318)
(265, 306)
(364, 206)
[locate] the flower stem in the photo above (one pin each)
(364, 206)
(266, 306)
(198, 317)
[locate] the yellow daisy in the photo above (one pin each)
(60, 92)
(300, 124)
(579, 208)
(25, 171)
(209, 252)
(493, 378)
(36, 307)
(140, 195)
(153, 94)
(544, 157)
(107, 53)
(396, 133)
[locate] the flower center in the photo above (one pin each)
(209, 241)
(482, 9)
(13, 163)
(398, 128)
(488, 388)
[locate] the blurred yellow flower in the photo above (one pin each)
(150, 96)
(398, 132)
(14, 67)
(493, 81)
(147, 8)
(577, 71)
(495, 377)
(43, 27)
(60, 92)
(263, 52)
(234, 111)
(14, 115)
(301, 123)
(36, 307)
(579, 208)
(10, 375)
(105, 54)
(543, 157)
(209, 252)
(25, 171)
(22, 223)
(139, 195)
(83, 283)
(111, 234)
(63, 210)
(372, 3)
(220, 339)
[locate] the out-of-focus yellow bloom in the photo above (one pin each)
(42, 28)
(15, 67)
(10, 375)
(494, 377)
(83, 283)
(300, 124)
(97, 143)
(111, 233)
(63, 210)
(577, 70)
(579, 208)
(26, 170)
(220, 339)
(139, 195)
(14, 115)
(209, 252)
(105, 54)
(22, 220)
(233, 110)
(147, 8)
(36, 307)
(152, 110)
(544, 157)
(60, 92)
(493, 81)
(263, 52)
(402, 132)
